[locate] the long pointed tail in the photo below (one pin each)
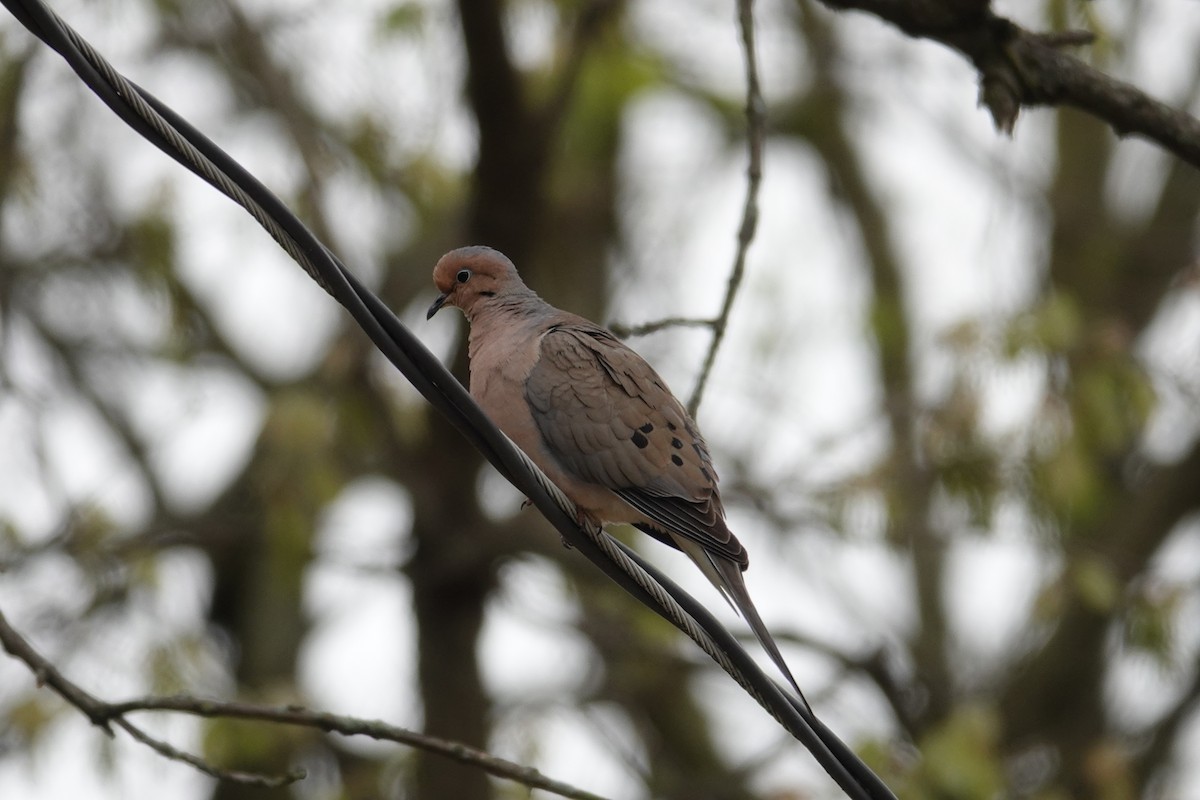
(727, 577)
(734, 587)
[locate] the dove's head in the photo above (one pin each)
(470, 277)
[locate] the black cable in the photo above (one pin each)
(837, 748)
(160, 125)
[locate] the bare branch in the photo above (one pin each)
(105, 715)
(627, 331)
(1020, 68)
(235, 776)
(756, 118)
(354, 726)
(48, 675)
(1052, 77)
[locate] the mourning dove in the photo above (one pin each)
(596, 418)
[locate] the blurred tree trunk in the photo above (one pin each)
(259, 536)
(452, 572)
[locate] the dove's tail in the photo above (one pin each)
(733, 586)
(727, 577)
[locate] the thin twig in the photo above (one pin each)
(171, 752)
(355, 726)
(755, 136)
(627, 331)
(48, 675)
(106, 715)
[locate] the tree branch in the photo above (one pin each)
(1021, 68)
(354, 726)
(627, 331)
(235, 776)
(104, 715)
(47, 674)
(756, 123)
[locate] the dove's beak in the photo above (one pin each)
(437, 305)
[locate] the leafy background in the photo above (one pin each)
(955, 413)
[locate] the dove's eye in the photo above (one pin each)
(463, 275)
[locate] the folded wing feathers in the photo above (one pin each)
(607, 416)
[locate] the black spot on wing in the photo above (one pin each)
(676, 444)
(676, 460)
(579, 391)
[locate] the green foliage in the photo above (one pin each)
(958, 759)
(932, 471)
(28, 719)
(607, 81)
(296, 478)
(173, 665)
(967, 464)
(1113, 400)
(1053, 326)
(1068, 482)
(1096, 584)
(1095, 414)
(890, 327)
(150, 241)
(234, 744)
(1150, 623)
(403, 19)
